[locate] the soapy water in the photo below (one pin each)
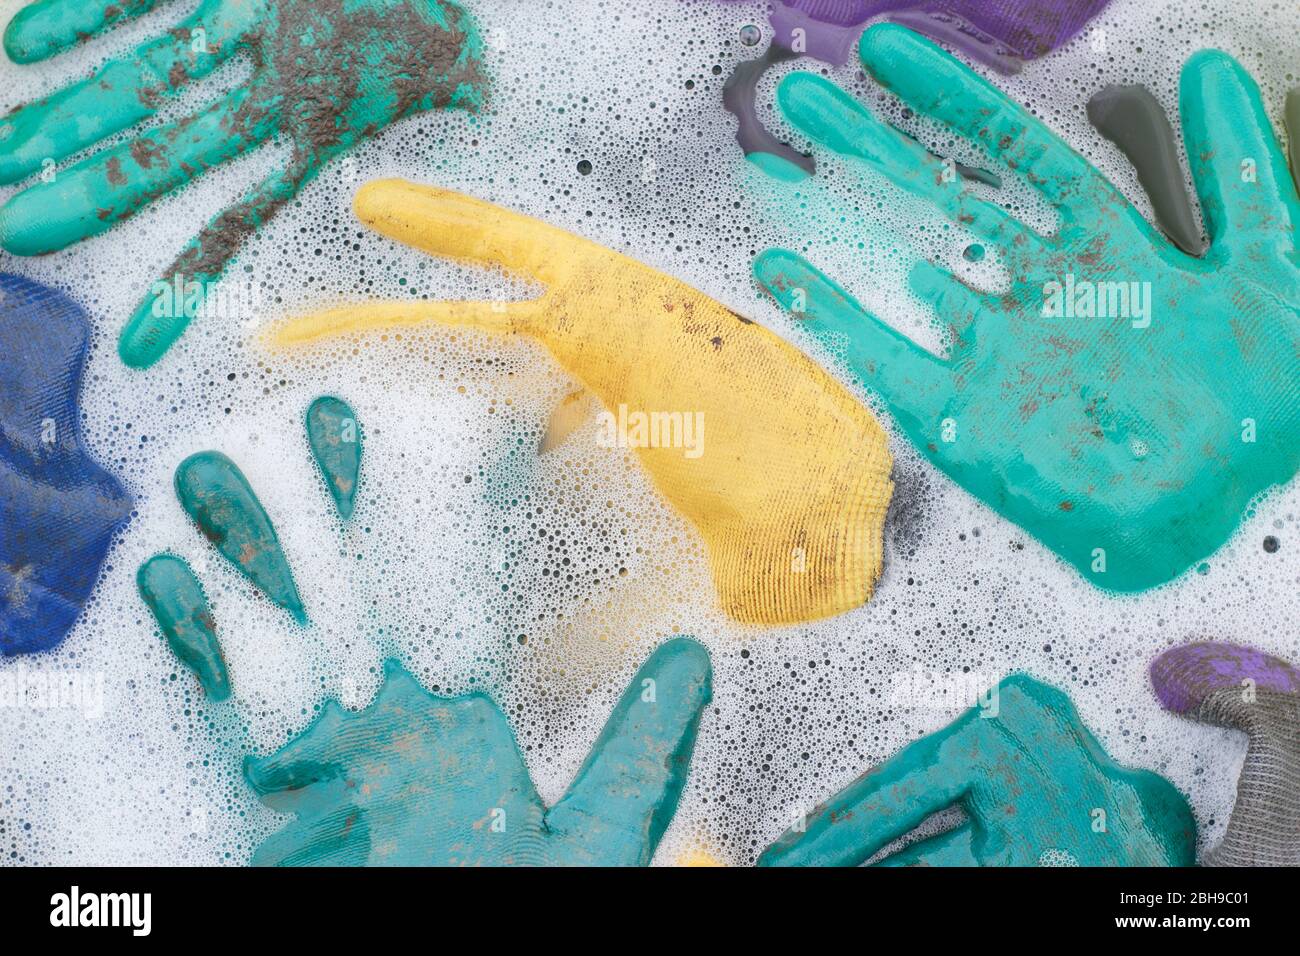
(552, 607)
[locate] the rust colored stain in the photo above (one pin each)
(146, 152)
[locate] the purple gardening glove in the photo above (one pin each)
(1227, 685)
(1001, 33)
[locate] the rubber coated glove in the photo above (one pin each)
(1036, 786)
(1002, 33)
(326, 74)
(1122, 401)
(59, 510)
(1226, 685)
(213, 491)
(420, 780)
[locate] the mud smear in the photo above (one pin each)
(420, 67)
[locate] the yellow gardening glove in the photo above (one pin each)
(790, 484)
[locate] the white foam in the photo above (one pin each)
(797, 712)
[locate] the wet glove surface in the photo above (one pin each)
(789, 484)
(335, 439)
(173, 593)
(1243, 689)
(421, 780)
(213, 491)
(1036, 786)
(59, 509)
(1129, 440)
(1002, 33)
(326, 74)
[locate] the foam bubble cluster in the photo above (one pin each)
(547, 581)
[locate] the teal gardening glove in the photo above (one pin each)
(1128, 444)
(421, 780)
(326, 74)
(1036, 786)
